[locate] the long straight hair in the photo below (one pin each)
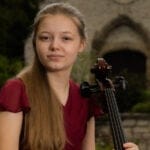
(43, 126)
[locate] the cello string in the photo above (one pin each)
(119, 130)
(115, 138)
(115, 120)
(118, 118)
(112, 117)
(115, 117)
(114, 103)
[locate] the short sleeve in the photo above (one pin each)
(13, 96)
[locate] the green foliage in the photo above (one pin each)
(144, 105)
(104, 146)
(16, 18)
(8, 68)
(81, 71)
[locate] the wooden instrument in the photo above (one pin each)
(101, 70)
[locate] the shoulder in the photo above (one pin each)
(75, 86)
(94, 107)
(75, 89)
(75, 95)
(12, 83)
(13, 87)
(13, 96)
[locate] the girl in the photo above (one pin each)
(41, 108)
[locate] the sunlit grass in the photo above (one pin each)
(103, 146)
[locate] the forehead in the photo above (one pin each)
(60, 20)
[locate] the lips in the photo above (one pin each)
(54, 56)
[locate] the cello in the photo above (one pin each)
(101, 71)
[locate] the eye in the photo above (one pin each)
(44, 38)
(67, 38)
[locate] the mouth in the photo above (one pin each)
(54, 57)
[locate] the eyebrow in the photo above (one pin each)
(63, 32)
(43, 32)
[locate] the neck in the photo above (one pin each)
(60, 78)
(59, 83)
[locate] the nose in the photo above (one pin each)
(54, 44)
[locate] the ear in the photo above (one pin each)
(82, 46)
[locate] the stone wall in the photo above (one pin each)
(136, 128)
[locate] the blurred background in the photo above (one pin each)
(118, 30)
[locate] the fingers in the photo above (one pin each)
(130, 146)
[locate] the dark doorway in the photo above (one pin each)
(131, 61)
(131, 65)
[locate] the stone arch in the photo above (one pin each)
(100, 37)
(140, 45)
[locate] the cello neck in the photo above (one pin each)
(114, 119)
(101, 70)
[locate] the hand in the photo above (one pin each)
(130, 146)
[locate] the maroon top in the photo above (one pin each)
(77, 110)
(13, 97)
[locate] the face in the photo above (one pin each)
(58, 42)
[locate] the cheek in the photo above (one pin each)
(40, 54)
(72, 57)
(74, 52)
(38, 46)
(40, 49)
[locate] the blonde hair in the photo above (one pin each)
(43, 127)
